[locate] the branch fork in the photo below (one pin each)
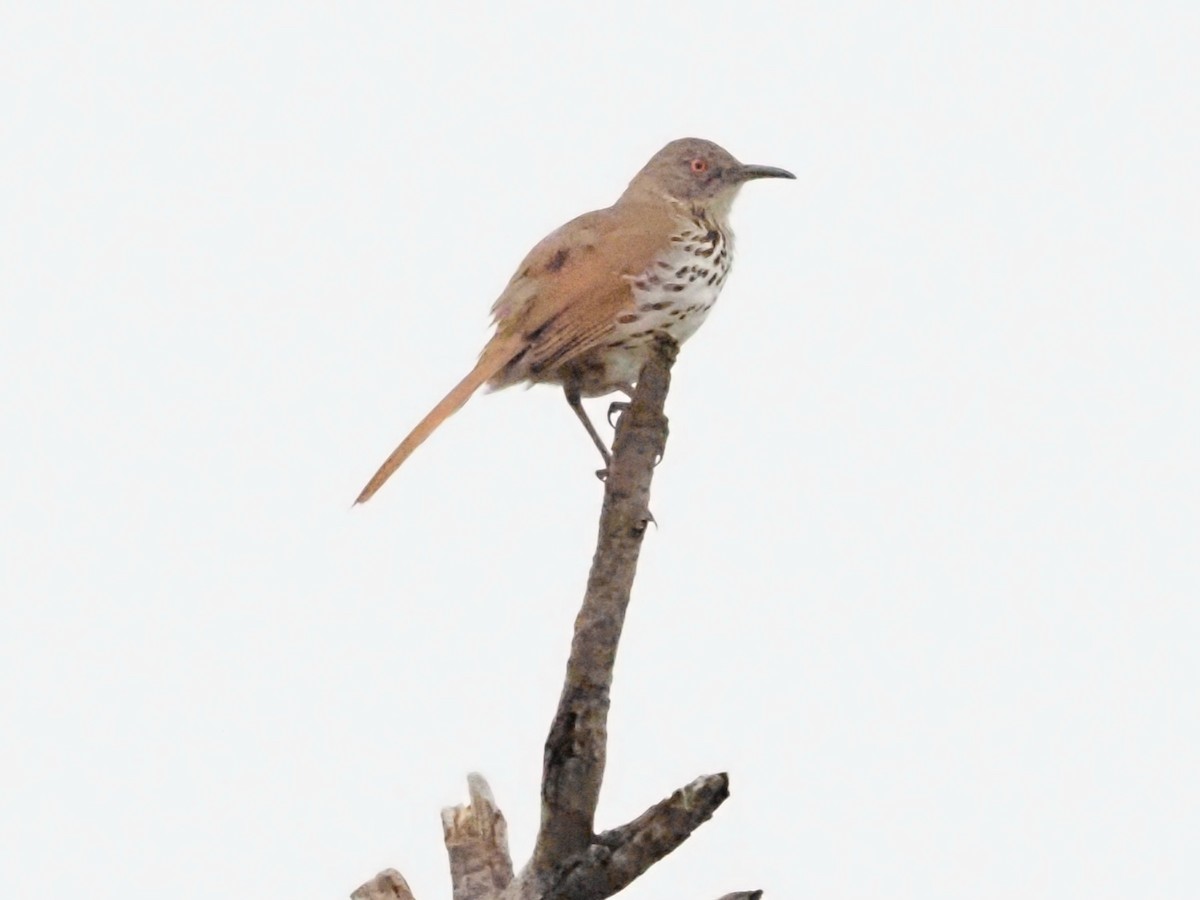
(570, 861)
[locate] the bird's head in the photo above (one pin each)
(697, 172)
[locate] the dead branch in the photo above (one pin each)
(619, 856)
(387, 885)
(476, 838)
(570, 861)
(573, 765)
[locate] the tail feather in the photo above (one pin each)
(491, 361)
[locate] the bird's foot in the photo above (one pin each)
(615, 408)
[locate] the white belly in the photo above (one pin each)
(674, 295)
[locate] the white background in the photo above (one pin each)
(925, 581)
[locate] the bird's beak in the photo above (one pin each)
(749, 173)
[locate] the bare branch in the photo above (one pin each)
(622, 854)
(476, 839)
(573, 764)
(387, 885)
(570, 861)
(689, 807)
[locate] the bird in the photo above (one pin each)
(583, 306)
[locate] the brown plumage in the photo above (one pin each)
(581, 306)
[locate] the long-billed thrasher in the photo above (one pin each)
(583, 306)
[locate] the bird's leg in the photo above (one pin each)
(573, 400)
(622, 406)
(619, 406)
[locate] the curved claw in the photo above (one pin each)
(617, 406)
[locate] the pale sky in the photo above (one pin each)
(925, 578)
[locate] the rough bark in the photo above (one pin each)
(573, 765)
(570, 861)
(476, 838)
(387, 885)
(617, 857)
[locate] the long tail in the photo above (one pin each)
(494, 357)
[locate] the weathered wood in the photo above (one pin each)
(570, 861)
(573, 764)
(619, 856)
(387, 885)
(476, 838)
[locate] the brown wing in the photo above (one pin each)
(561, 302)
(570, 289)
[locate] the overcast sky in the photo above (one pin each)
(925, 578)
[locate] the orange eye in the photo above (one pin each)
(699, 166)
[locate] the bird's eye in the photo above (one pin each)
(699, 166)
